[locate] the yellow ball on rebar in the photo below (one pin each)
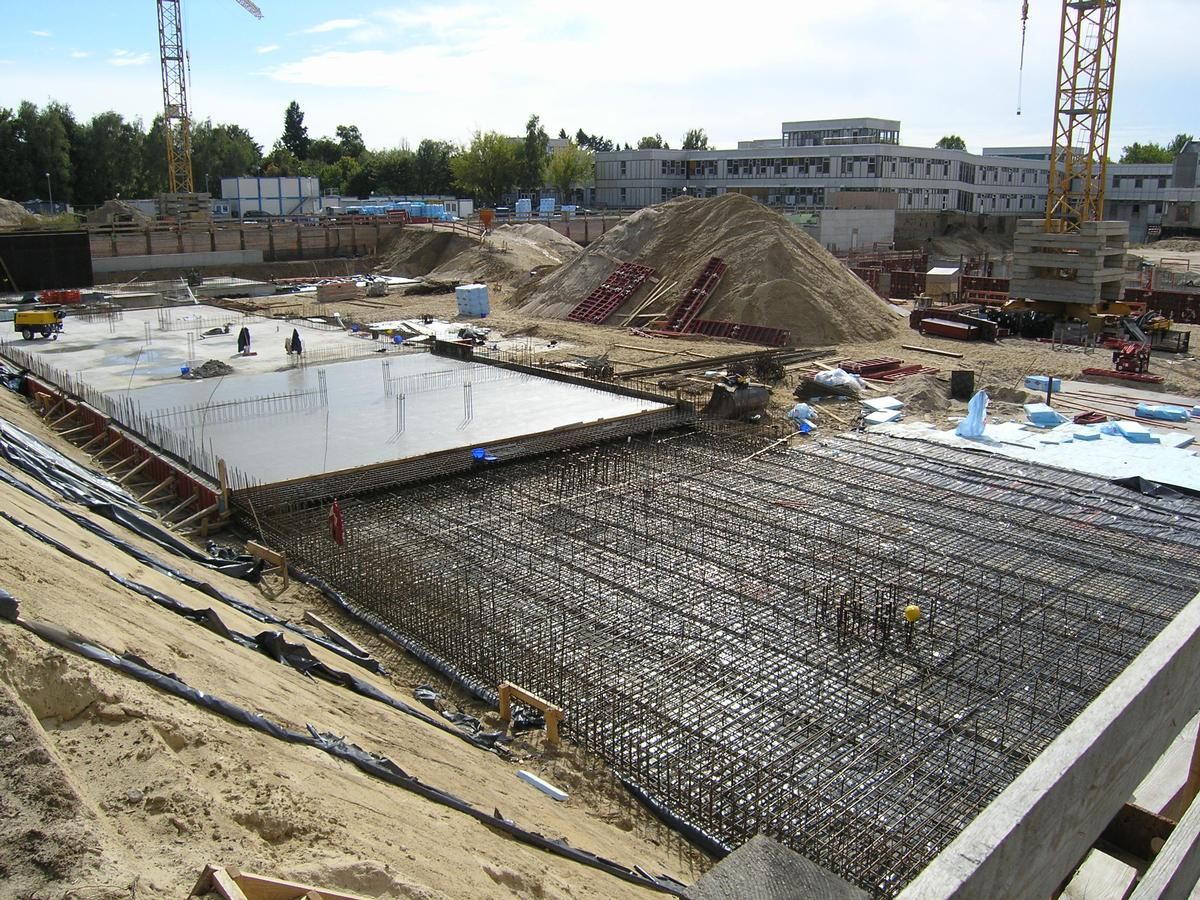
(912, 612)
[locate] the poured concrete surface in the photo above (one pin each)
(446, 404)
(272, 421)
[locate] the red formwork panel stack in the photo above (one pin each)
(612, 293)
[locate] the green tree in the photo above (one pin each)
(395, 171)
(107, 161)
(1149, 152)
(225, 151)
(350, 141)
(295, 135)
(323, 150)
(593, 142)
(280, 162)
(570, 167)
(533, 154)
(1178, 143)
(488, 167)
(10, 154)
(695, 139)
(432, 173)
(650, 143)
(951, 142)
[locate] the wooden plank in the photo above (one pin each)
(1176, 869)
(260, 887)
(336, 636)
(932, 350)
(215, 879)
(1025, 842)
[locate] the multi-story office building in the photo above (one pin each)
(813, 162)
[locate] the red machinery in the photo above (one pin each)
(1132, 357)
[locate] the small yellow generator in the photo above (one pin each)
(46, 321)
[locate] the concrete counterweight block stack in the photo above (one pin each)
(1085, 266)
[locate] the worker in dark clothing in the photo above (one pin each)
(296, 346)
(244, 341)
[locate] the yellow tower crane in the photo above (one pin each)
(1071, 263)
(1087, 57)
(176, 122)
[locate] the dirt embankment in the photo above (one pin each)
(778, 276)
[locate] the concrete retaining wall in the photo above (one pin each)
(175, 261)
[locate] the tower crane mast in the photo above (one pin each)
(1087, 56)
(177, 128)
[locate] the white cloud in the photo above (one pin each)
(79, 54)
(40, 33)
(334, 25)
(267, 48)
(125, 58)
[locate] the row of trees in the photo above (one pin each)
(47, 151)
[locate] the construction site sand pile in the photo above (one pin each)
(511, 255)
(778, 276)
(12, 213)
(117, 211)
(1181, 245)
(417, 251)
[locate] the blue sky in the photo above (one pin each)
(408, 70)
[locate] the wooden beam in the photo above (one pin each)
(1176, 869)
(552, 713)
(932, 350)
(1026, 840)
(64, 417)
(101, 436)
(111, 447)
(157, 489)
(336, 636)
(145, 462)
(207, 511)
(180, 506)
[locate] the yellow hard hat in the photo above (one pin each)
(912, 612)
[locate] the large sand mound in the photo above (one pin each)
(418, 251)
(512, 255)
(12, 213)
(778, 276)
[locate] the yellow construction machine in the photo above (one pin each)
(44, 320)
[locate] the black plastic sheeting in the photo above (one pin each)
(372, 764)
(269, 643)
(101, 496)
(473, 686)
(1148, 488)
(197, 584)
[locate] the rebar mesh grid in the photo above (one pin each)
(724, 623)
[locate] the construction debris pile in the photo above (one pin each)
(777, 275)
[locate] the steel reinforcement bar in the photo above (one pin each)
(724, 621)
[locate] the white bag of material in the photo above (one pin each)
(972, 426)
(840, 379)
